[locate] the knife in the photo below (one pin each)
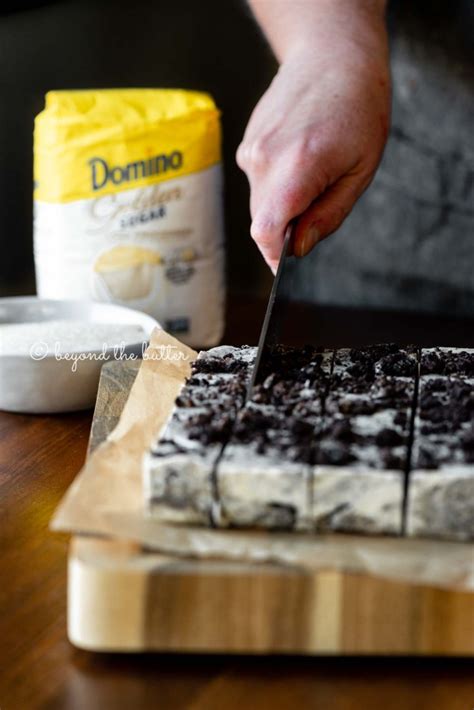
(275, 313)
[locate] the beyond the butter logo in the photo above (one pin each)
(102, 173)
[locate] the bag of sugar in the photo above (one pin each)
(128, 204)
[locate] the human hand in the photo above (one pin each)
(316, 137)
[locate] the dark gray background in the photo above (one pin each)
(409, 242)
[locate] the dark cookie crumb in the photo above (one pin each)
(467, 441)
(445, 403)
(397, 364)
(401, 418)
(426, 459)
(392, 461)
(440, 362)
(334, 454)
(195, 394)
(215, 365)
(279, 516)
(211, 428)
(341, 430)
(357, 406)
(388, 437)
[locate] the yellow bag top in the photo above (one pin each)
(91, 143)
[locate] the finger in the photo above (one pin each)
(267, 232)
(274, 203)
(326, 214)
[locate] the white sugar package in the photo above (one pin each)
(128, 205)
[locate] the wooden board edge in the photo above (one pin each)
(125, 600)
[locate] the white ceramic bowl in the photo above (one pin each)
(49, 384)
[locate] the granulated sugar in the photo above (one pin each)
(65, 336)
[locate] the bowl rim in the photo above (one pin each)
(136, 318)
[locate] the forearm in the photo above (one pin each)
(315, 139)
(296, 26)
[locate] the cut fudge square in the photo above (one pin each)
(441, 503)
(362, 453)
(263, 476)
(440, 500)
(178, 471)
(357, 499)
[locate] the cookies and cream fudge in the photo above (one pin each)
(264, 474)
(179, 469)
(440, 499)
(362, 451)
(375, 440)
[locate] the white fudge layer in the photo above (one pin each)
(262, 490)
(177, 472)
(357, 499)
(178, 487)
(441, 503)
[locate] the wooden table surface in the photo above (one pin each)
(39, 457)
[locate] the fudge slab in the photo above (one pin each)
(362, 457)
(324, 444)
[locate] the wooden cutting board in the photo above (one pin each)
(124, 598)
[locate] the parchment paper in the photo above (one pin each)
(107, 499)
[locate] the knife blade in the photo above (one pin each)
(275, 313)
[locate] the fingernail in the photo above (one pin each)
(310, 238)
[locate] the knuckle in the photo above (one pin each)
(291, 198)
(309, 158)
(259, 151)
(266, 246)
(307, 148)
(298, 155)
(311, 147)
(264, 241)
(263, 233)
(241, 155)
